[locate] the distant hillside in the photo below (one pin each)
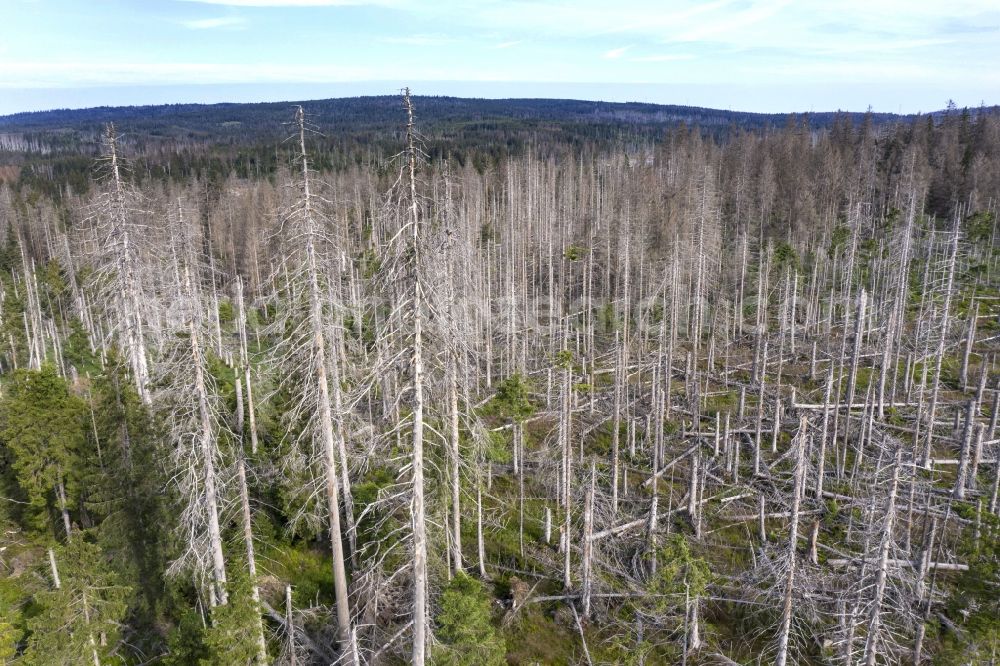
(52, 150)
(365, 118)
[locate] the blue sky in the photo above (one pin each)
(756, 55)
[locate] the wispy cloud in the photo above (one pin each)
(31, 74)
(228, 22)
(419, 40)
(293, 3)
(662, 57)
(737, 22)
(614, 54)
(507, 45)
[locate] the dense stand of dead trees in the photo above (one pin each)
(788, 399)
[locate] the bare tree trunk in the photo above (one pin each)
(290, 626)
(480, 543)
(56, 583)
(871, 644)
(588, 529)
(241, 327)
(567, 483)
(325, 407)
(208, 449)
(417, 507)
(942, 340)
(63, 510)
(251, 555)
(694, 641)
(616, 422)
(821, 456)
(692, 507)
(793, 536)
(926, 554)
(241, 476)
(970, 338)
(90, 636)
(852, 378)
(126, 261)
(965, 453)
(454, 467)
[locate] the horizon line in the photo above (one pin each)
(23, 101)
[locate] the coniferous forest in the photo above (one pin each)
(553, 387)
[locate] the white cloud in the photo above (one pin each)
(231, 22)
(292, 3)
(419, 40)
(29, 74)
(665, 57)
(614, 54)
(880, 72)
(800, 28)
(737, 22)
(76, 74)
(507, 45)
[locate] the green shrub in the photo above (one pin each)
(467, 635)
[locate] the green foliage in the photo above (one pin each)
(76, 348)
(497, 447)
(13, 598)
(42, 423)
(227, 637)
(678, 572)
(8, 640)
(608, 322)
(631, 653)
(227, 313)
(564, 359)
(89, 604)
(974, 603)
(488, 234)
(186, 642)
(512, 400)
(574, 252)
(10, 252)
(838, 239)
(979, 226)
(891, 219)
(125, 492)
(467, 635)
(231, 640)
(12, 328)
(308, 567)
(785, 257)
(54, 283)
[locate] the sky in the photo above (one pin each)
(751, 55)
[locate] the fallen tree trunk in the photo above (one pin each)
(315, 647)
(906, 564)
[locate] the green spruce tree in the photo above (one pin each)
(42, 423)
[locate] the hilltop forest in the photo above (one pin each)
(522, 383)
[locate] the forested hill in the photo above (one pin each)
(359, 114)
(365, 119)
(51, 150)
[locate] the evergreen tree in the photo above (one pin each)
(80, 620)
(467, 636)
(126, 492)
(42, 423)
(231, 640)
